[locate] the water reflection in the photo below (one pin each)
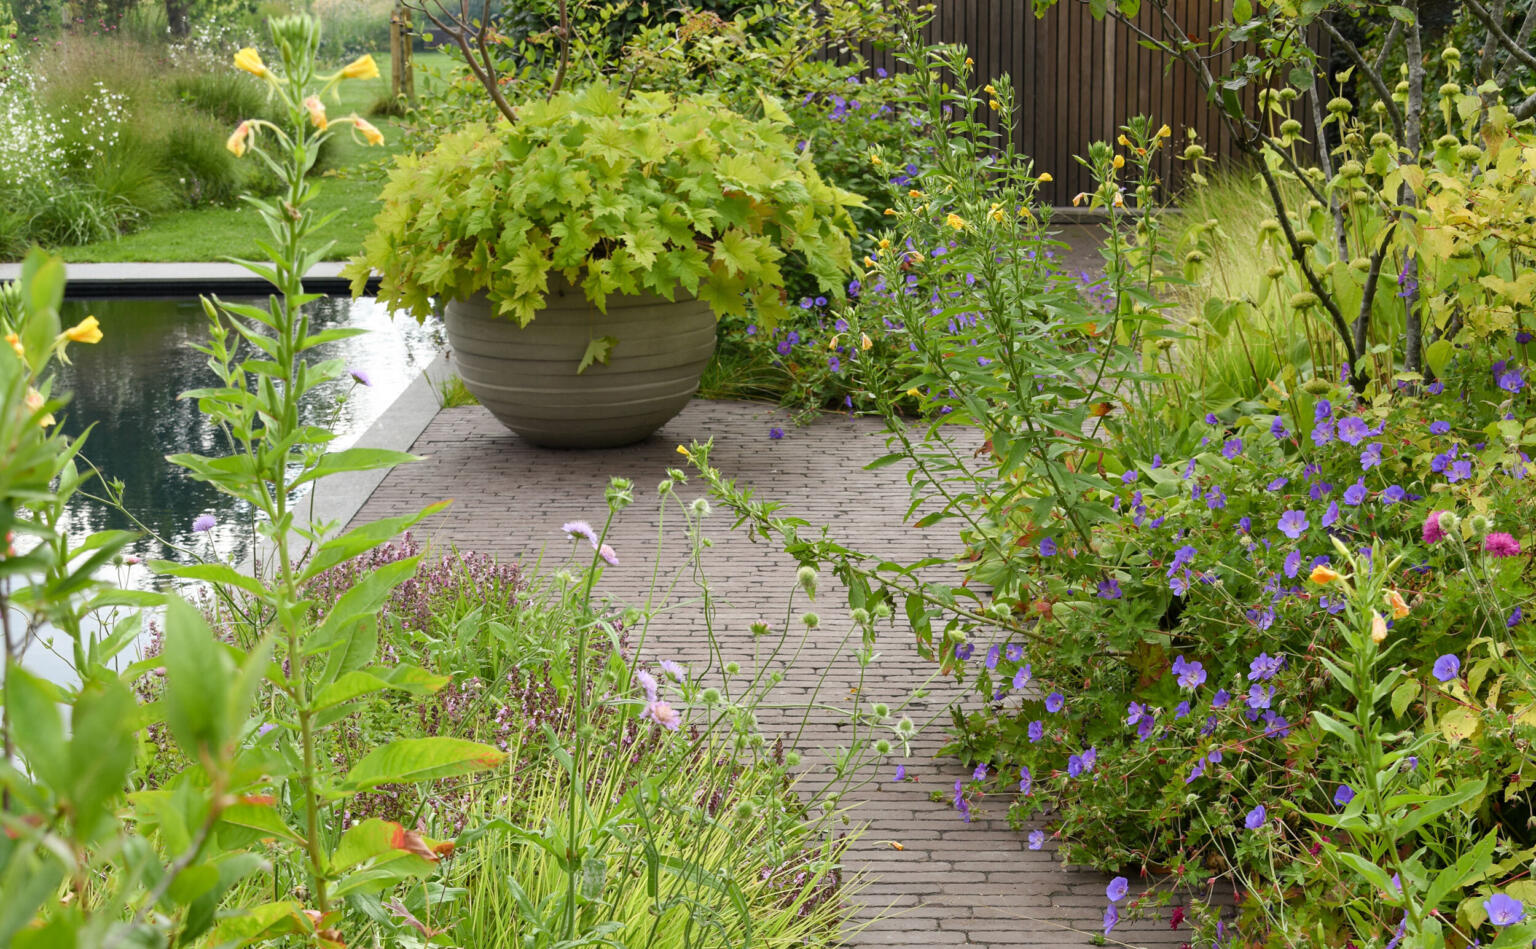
(128, 387)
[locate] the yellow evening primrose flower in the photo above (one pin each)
(914, 193)
(969, 61)
(955, 221)
(865, 343)
(363, 67)
(874, 160)
(316, 112)
(1322, 575)
(996, 213)
(884, 243)
(890, 212)
(914, 393)
(250, 61)
(1378, 628)
(15, 341)
(1164, 132)
(995, 105)
(34, 402)
(1397, 603)
(989, 90)
(371, 135)
(87, 330)
(1123, 140)
(1119, 161)
(682, 450)
(1044, 177)
(238, 139)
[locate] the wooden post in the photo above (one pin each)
(402, 80)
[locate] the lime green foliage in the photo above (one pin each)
(653, 193)
(452, 393)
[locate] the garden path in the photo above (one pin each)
(953, 883)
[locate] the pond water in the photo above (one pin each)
(126, 389)
(128, 386)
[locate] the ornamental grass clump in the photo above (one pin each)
(646, 194)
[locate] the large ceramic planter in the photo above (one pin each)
(527, 376)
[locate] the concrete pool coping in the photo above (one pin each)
(168, 280)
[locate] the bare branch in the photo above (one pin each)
(1515, 47)
(1393, 35)
(1485, 62)
(468, 38)
(1522, 40)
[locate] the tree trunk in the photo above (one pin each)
(178, 17)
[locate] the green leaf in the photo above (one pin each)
(598, 350)
(199, 674)
(1374, 875)
(1438, 354)
(354, 459)
(1403, 696)
(365, 538)
(421, 759)
(1242, 11)
(351, 624)
(261, 923)
(41, 743)
(211, 572)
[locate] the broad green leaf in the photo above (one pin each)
(211, 572)
(421, 759)
(1437, 355)
(365, 538)
(354, 459)
(1403, 696)
(199, 674)
(261, 923)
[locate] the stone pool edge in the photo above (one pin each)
(160, 280)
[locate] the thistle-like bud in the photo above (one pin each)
(806, 577)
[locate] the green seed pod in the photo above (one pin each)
(1193, 153)
(1306, 238)
(811, 620)
(1351, 170)
(806, 578)
(1269, 226)
(1469, 153)
(1275, 273)
(1315, 386)
(1304, 300)
(1290, 127)
(1360, 264)
(861, 616)
(1447, 142)
(882, 746)
(1450, 89)
(792, 758)
(1339, 105)
(1451, 56)
(1382, 140)
(1288, 94)
(1194, 257)
(1354, 140)
(710, 696)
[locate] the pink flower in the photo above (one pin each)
(1500, 544)
(662, 714)
(580, 529)
(608, 554)
(1432, 532)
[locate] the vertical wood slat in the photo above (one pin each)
(1078, 80)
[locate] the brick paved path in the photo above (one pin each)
(954, 884)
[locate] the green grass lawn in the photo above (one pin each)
(350, 189)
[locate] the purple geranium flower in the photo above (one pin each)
(1356, 493)
(1036, 731)
(1054, 702)
(1255, 818)
(1343, 795)
(1036, 839)
(1047, 547)
(1353, 430)
(1447, 667)
(1293, 523)
(1504, 910)
(1117, 889)
(1231, 448)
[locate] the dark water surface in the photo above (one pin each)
(128, 386)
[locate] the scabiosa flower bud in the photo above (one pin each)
(806, 577)
(860, 616)
(1447, 521)
(759, 628)
(710, 696)
(881, 710)
(791, 758)
(1479, 524)
(905, 727)
(811, 620)
(732, 668)
(700, 508)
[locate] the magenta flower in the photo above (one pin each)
(1500, 544)
(1432, 532)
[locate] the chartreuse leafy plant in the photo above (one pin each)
(620, 195)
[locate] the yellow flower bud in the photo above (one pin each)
(1119, 161)
(316, 112)
(955, 221)
(989, 90)
(1397, 603)
(890, 212)
(363, 67)
(1322, 575)
(15, 341)
(1378, 628)
(237, 140)
(34, 402)
(250, 61)
(884, 243)
(87, 330)
(914, 193)
(1044, 177)
(1164, 132)
(995, 105)
(371, 135)
(969, 61)
(865, 343)
(1124, 141)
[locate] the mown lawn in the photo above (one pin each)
(349, 190)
